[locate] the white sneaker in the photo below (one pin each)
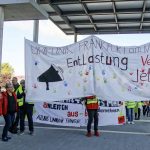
(128, 122)
(132, 122)
(21, 133)
(31, 133)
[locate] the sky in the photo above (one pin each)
(50, 35)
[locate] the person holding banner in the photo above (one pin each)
(92, 107)
(16, 86)
(27, 110)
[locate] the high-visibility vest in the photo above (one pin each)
(131, 104)
(92, 103)
(30, 103)
(140, 104)
(20, 101)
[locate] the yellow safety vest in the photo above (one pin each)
(20, 101)
(131, 104)
(92, 101)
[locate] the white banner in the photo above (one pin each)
(57, 113)
(73, 113)
(88, 67)
(57, 72)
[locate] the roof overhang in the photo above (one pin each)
(15, 10)
(99, 16)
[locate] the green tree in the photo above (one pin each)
(6, 69)
(6, 73)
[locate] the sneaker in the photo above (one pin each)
(129, 122)
(132, 122)
(13, 131)
(89, 134)
(4, 139)
(97, 133)
(31, 133)
(21, 133)
(8, 137)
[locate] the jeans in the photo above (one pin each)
(130, 114)
(126, 112)
(9, 119)
(92, 113)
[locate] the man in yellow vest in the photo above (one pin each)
(130, 106)
(137, 110)
(27, 110)
(17, 117)
(92, 107)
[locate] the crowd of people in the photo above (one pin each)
(14, 108)
(135, 109)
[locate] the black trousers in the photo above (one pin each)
(138, 114)
(18, 116)
(27, 111)
(144, 110)
(92, 114)
(9, 119)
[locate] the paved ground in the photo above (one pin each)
(126, 137)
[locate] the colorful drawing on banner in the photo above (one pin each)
(141, 83)
(54, 90)
(123, 89)
(148, 71)
(70, 71)
(78, 84)
(103, 72)
(146, 85)
(85, 80)
(36, 63)
(142, 70)
(69, 92)
(90, 67)
(86, 73)
(136, 87)
(84, 88)
(34, 85)
(53, 74)
(105, 80)
(65, 84)
(131, 73)
(97, 78)
(80, 73)
(114, 76)
(129, 88)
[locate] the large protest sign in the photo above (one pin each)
(121, 73)
(57, 73)
(90, 66)
(57, 113)
(72, 113)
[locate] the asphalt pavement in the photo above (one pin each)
(47, 137)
